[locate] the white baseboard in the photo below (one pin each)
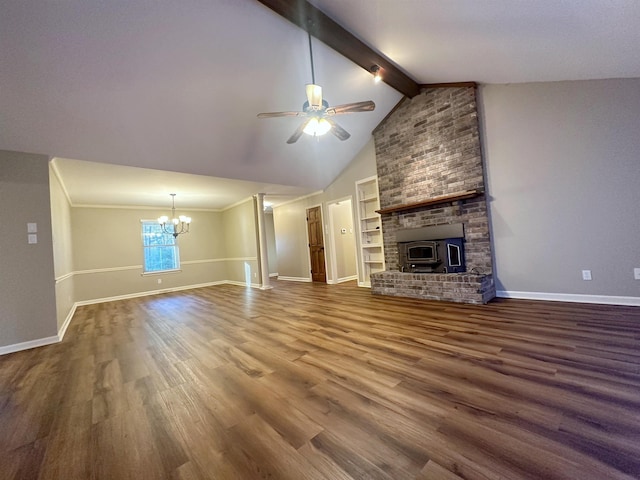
(364, 284)
(346, 279)
(148, 292)
(571, 297)
(295, 279)
(40, 342)
(273, 274)
(67, 321)
(241, 284)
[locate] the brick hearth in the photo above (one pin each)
(450, 287)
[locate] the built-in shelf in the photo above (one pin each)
(451, 197)
(370, 228)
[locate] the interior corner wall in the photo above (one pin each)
(27, 285)
(563, 169)
(62, 249)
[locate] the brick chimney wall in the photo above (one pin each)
(430, 146)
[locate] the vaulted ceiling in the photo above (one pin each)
(176, 86)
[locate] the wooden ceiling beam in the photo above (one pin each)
(312, 20)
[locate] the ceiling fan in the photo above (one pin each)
(318, 113)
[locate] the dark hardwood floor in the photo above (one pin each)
(326, 382)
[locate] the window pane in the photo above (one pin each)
(152, 235)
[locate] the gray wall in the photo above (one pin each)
(27, 284)
(563, 171)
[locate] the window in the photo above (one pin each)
(160, 249)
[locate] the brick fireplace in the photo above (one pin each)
(430, 174)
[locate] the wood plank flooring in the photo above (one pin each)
(311, 381)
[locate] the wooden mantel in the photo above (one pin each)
(451, 197)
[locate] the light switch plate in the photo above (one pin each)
(636, 273)
(586, 274)
(32, 227)
(32, 238)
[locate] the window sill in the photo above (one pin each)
(160, 272)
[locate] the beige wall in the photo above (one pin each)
(271, 242)
(344, 233)
(290, 219)
(27, 284)
(62, 248)
(239, 229)
(362, 166)
(108, 252)
(563, 170)
(290, 222)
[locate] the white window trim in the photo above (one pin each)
(157, 272)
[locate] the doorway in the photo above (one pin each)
(316, 244)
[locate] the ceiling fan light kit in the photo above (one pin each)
(317, 126)
(319, 112)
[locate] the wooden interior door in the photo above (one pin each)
(316, 245)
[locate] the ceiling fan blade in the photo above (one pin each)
(367, 106)
(296, 135)
(314, 95)
(281, 114)
(338, 131)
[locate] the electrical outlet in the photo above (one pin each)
(159, 281)
(636, 273)
(586, 274)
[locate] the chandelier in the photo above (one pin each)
(177, 225)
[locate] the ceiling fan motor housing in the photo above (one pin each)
(312, 108)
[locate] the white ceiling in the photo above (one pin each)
(96, 184)
(176, 86)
